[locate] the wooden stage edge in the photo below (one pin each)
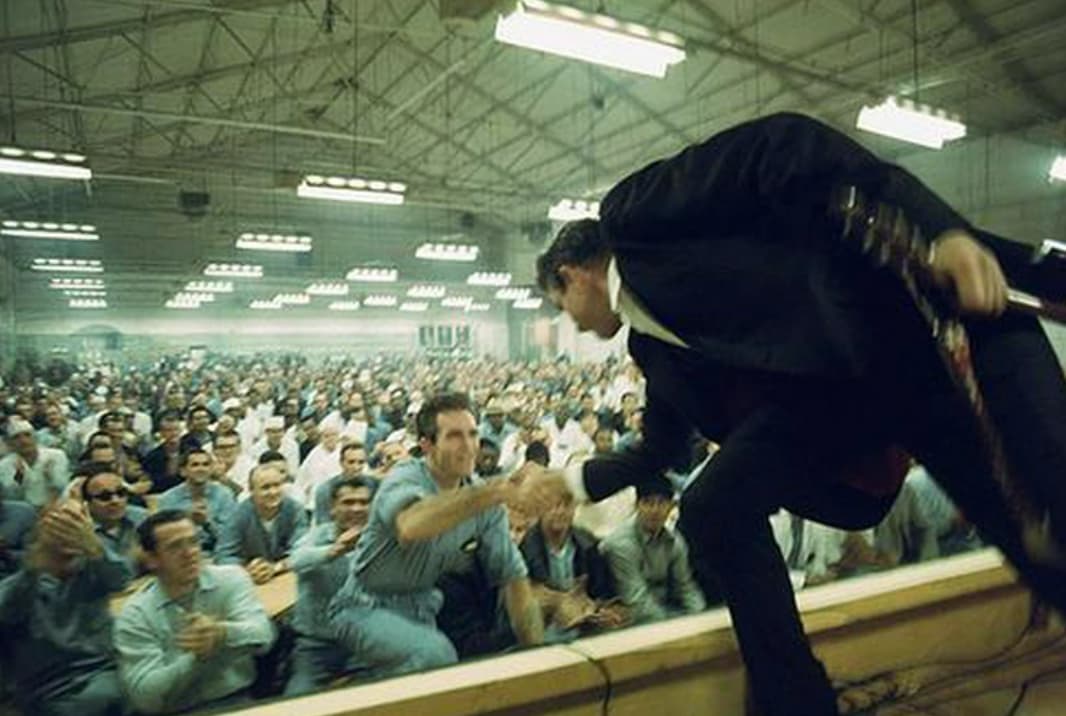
(947, 635)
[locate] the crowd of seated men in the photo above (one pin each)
(383, 485)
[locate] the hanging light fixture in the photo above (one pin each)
(367, 191)
(260, 304)
(327, 288)
(910, 122)
(414, 306)
(87, 303)
(84, 293)
(513, 293)
(574, 209)
(1058, 169)
(234, 270)
(447, 252)
(182, 305)
(476, 307)
(191, 297)
(456, 301)
(599, 39)
(427, 291)
(44, 163)
(209, 286)
(68, 265)
(292, 299)
(344, 306)
(373, 274)
(94, 284)
(49, 230)
(528, 304)
(489, 278)
(380, 301)
(290, 243)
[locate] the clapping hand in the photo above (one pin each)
(69, 529)
(345, 541)
(260, 570)
(201, 636)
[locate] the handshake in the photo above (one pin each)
(533, 490)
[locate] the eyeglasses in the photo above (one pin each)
(107, 495)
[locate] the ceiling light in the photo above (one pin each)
(291, 243)
(1058, 169)
(194, 297)
(478, 307)
(351, 189)
(427, 291)
(43, 163)
(457, 301)
(68, 265)
(323, 288)
(414, 306)
(910, 122)
(49, 230)
(513, 293)
(371, 274)
(292, 299)
(574, 209)
(528, 304)
(488, 278)
(174, 303)
(599, 39)
(447, 252)
(234, 270)
(264, 305)
(380, 301)
(84, 293)
(89, 283)
(209, 286)
(344, 306)
(87, 303)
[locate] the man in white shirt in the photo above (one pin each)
(274, 441)
(30, 472)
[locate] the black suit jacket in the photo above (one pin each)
(587, 560)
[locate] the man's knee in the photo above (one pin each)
(432, 652)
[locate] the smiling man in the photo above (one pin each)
(424, 521)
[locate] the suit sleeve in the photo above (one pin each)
(783, 165)
(664, 441)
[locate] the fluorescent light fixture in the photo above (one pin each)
(380, 301)
(264, 305)
(79, 283)
(344, 306)
(414, 306)
(427, 291)
(87, 303)
(43, 163)
(209, 286)
(234, 270)
(528, 304)
(292, 299)
(1058, 169)
(192, 297)
(325, 288)
(84, 293)
(599, 39)
(351, 189)
(473, 307)
(447, 252)
(372, 274)
(488, 278)
(290, 243)
(915, 123)
(513, 293)
(457, 301)
(49, 230)
(574, 209)
(68, 265)
(174, 303)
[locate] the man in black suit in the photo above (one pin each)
(757, 327)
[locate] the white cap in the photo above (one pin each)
(230, 404)
(274, 422)
(18, 426)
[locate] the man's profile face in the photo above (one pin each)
(585, 301)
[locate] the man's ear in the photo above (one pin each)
(568, 273)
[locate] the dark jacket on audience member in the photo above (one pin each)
(244, 538)
(587, 560)
(155, 465)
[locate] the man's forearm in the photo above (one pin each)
(523, 610)
(433, 516)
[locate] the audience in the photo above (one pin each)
(189, 638)
(207, 503)
(352, 465)
(261, 532)
(31, 472)
(115, 521)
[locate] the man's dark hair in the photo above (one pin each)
(93, 469)
(189, 452)
(353, 482)
(200, 409)
(146, 530)
(578, 243)
(352, 446)
(538, 452)
(270, 456)
(440, 403)
(655, 487)
(107, 417)
(168, 416)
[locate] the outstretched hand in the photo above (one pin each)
(534, 489)
(968, 269)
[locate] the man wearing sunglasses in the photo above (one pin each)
(116, 521)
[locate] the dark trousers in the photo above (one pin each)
(787, 451)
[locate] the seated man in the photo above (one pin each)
(488, 458)
(320, 572)
(16, 526)
(115, 521)
(31, 472)
(54, 619)
(189, 638)
(570, 577)
(650, 562)
(163, 462)
(261, 532)
(232, 467)
(353, 464)
(424, 517)
(207, 503)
